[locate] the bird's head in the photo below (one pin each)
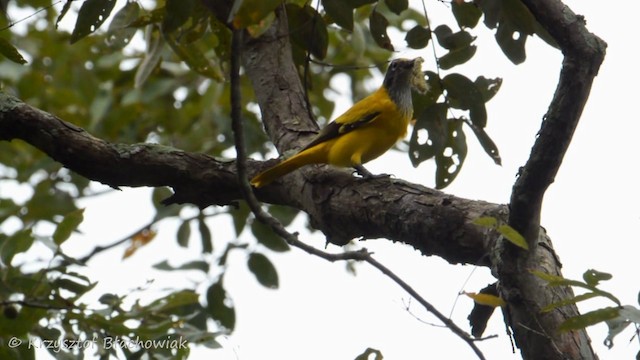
(402, 75)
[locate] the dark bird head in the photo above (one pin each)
(398, 82)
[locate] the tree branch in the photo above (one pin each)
(535, 333)
(339, 205)
(583, 55)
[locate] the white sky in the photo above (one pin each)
(321, 312)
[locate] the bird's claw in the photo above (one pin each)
(366, 174)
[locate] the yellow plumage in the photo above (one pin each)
(364, 132)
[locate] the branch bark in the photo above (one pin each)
(338, 204)
(535, 332)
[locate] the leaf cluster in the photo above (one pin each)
(617, 317)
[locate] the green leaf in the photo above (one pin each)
(220, 306)
(202, 337)
(418, 37)
(340, 12)
(486, 221)
(223, 35)
(152, 58)
(285, 214)
(513, 236)
(264, 270)
(545, 36)
(158, 195)
(549, 278)
(240, 214)
(177, 12)
(191, 265)
(199, 26)
(429, 134)
(119, 34)
(463, 94)
(466, 14)
(450, 40)
(47, 202)
(67, 226)
(516, 13)
(175, 300)
(588, 319)
(252, 12)
(10, 52)
(630, 313)
(511, 42)
(194, 57)
(8, 208)
(487, 144)
(184, 233)
(265, 236)
(515, 23)
(370, 351)
(155, 16)
(423, 101)
(397, 6)
(488, 87)
(378, 27)
(73, 286)
(91, 15)
(205, 236)
(65, 9)
(569, 301)
(308, 30)
(449, 161)
(555, 280)
(593, 277)
(456, 57)
(110, 300)
(617, 325)
(17, 243)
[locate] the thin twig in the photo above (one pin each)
(34, 305)
(445, 320)
(148, 226)
(44, 8)
(99, 249)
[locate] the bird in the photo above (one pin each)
(365, 131)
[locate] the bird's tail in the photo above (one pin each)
(303, 158)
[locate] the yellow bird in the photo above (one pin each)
(365, 131)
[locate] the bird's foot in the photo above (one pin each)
(366, 174)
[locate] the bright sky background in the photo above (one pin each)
(322, 312)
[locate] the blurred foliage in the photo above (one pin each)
(155, 71)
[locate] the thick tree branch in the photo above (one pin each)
(277, 85)
(189, 174)
(341, 206)
(583, 55)
(535, 332)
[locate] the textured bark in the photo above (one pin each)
(338, 204)
(535, 332)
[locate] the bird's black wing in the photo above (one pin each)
(334, 129)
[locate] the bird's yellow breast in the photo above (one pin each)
(373, 139)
